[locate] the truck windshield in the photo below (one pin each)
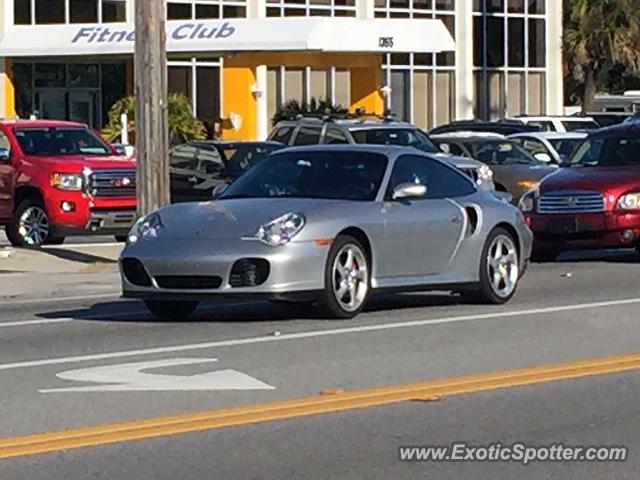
(608, 151)
(47, 141)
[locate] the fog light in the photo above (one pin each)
(628, 235)
(68, 206)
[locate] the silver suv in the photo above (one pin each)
(314, 131)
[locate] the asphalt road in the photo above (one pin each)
(581, 308)
(77, 240)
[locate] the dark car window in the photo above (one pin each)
(451, 148)
(282, 135)
(572, 126)
(210, 162)
(329, 175)
(183, 157)
(441, 180)
(608, 151)
(406, 137)
(335, 136)
(498, 152)
(566, 147)
(544, 125)
(60, 141)
(308, 136)
(241, 157)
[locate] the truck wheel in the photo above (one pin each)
(347, 278)
(29, 226)
(169, 310)
(499, 269)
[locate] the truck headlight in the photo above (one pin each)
(67, 181)
(282, 229)
(145, 228)
(527, 202)
(629, 201)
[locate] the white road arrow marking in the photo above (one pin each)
(130, 377)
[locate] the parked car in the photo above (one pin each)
(550, 147)
(593, 204)
(503, 127)
(59, 179)
(515, 170)
(560, 124)
(197, 168)
(373, 131)
(406, 221)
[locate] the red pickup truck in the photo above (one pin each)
(59, 179)
(595, 203)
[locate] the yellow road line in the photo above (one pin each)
(212, 419)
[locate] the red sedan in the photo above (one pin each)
(595, 202)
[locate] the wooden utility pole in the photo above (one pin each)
(152, 137)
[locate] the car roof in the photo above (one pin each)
(568, 118)
(232, 143)
(552, 135)
(631, 126)
(389, 150)
(462, 135)
(350, 124)
(505, 126)
(41, 123)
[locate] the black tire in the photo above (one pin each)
(14, 235)
(540, 255)
(485, 292)
(329, 300)
(121, 238)
(169, 310)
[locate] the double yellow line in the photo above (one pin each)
(331, 402)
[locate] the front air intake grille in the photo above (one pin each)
(571, 201)
(119, 182)
(135, 272)
(249, 272)
(188, 282)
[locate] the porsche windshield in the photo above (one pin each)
(608, 151)
(325, 174)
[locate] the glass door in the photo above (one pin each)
(52, 104)
(81, 107)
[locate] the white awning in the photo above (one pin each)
(267, 34)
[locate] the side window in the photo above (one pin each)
(210, 162)
(283, 135)
(335, 136)
(455, 149)
(545, 125)
(441, 181)
(534, 146)
(4, 141)
(308, 136)
(183, 157)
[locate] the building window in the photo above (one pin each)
(30, 12)
(199, 80)
(509, 57)
(203, 9)
(311, 8)
(422, 84)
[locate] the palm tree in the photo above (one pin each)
(598, 34)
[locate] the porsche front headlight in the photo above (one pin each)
(145, 228)
(282, 229)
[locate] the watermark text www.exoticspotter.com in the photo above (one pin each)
(516, 452)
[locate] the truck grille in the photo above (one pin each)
(112, 183)
(571, 201)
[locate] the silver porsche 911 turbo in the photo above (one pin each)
(330, 225)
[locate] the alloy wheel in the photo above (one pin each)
(33, 226)
(350, 278)
(502, 266)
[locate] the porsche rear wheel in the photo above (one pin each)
(347, 278)
(499, 269)
(169, 310)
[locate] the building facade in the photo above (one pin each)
(72, 58)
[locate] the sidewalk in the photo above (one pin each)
(61, 271)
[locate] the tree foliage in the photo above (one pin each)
(598, 36)
(293, 107)
(183, 126)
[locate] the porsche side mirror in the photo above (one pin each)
(409, 191)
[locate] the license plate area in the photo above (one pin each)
(563, 226)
